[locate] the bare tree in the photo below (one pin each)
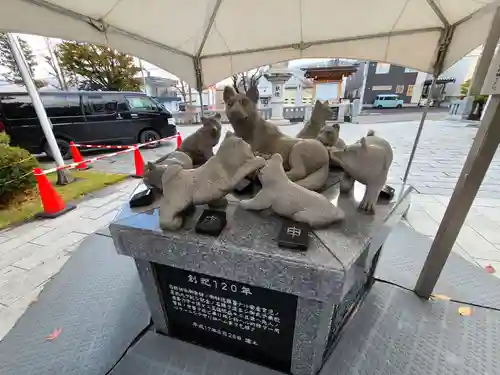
(242, 82)
(183, 89)
(53, 62)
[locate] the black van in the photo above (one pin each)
(88, 117)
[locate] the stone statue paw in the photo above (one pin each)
(367, 207)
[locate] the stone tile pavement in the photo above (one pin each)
(32, 253)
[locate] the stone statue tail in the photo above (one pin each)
(316, 180)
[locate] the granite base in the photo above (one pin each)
(187, 277)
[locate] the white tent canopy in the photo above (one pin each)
(205, 41)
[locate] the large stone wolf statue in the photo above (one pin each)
(305, 160)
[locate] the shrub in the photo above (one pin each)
(15, 167)
(4, 138)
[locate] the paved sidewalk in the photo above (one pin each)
(32, 253)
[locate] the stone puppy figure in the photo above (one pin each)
(321, 112)
(329, 136)
(154, 174)
(367, 161)
(199, 145)
(305, 160)
(288, 199)
(211, 181)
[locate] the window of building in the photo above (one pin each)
(382, 88)
(409, 90)
(382, 68)
(410, 70)
(400, 89)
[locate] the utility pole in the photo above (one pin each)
(63, 176)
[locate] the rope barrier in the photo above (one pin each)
(18, 162)
(19, 178)
(92, 160)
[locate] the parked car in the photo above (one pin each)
(89, 117)
(388, 101)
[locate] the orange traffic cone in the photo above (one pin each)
(139, 163)
(77, 157)
(53, 205)
(179, 140)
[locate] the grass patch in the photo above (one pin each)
(27, 205)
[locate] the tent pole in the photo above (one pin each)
(478, 160)
(419, 132)
(38, 105)
(476, 165)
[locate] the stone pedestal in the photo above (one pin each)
(278, 76)
(241, 294)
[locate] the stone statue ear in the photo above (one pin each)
(229, 134)
(253, 94)
(217, 116)
(326, 102)
(317, 104)
(228, 93)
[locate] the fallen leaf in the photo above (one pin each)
(465, 310)
(54, 335)
(440, 297)
(489, 269)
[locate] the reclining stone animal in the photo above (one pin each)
(321, 112)
(199, 145)
(305, 160)
(183, 188)
(366, 161)
(288, 199)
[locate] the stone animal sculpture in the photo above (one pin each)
(199, 145)
(329, 136)
(321, 112)
(366, 161)
(176, 157)
(183, 188)
(305, 160)
(288, 199)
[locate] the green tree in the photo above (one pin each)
(97, 67)
(13, 75)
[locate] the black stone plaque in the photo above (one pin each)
(211, 222)
(294, 235)
(245, 321)
(387, 193)
(142, 198)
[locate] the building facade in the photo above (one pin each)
(382, 78)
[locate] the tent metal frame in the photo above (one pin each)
(479, 157)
